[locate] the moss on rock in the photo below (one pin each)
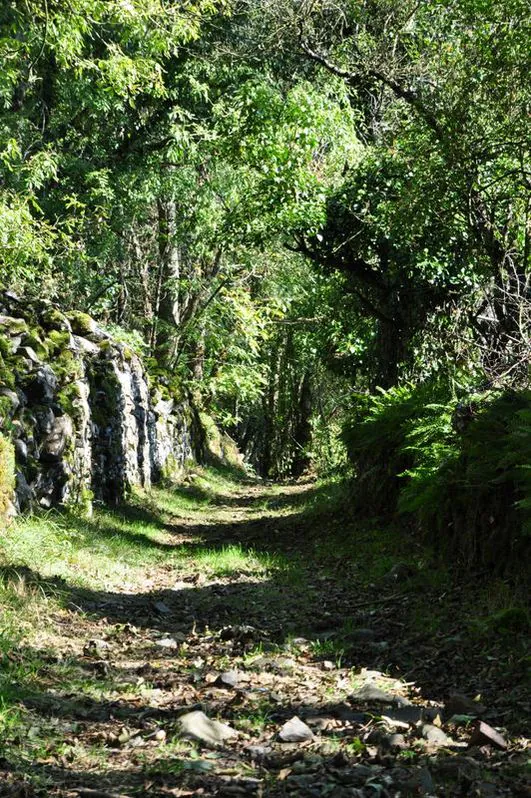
(7, 376)
(12, 326)
(53, 319)
(58, 341)
(82, 323)
(33, 340)
(7, 476)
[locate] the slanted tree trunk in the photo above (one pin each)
(168, 306)
(198, 354)
(303, 430)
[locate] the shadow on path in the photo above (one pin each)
(298, 632)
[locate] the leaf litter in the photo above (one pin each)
(250, 684)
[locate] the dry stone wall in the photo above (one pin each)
(78, 407)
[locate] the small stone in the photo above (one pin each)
(258, 751)
(300, 642)
(370, 693)
(396, 742)
(395, 723)
(84, 345)
(30, 353)
(284, 664)
(167, 642)
(229, 678)
(434, 735)
(244, 633)
(15, 344)
(95, 648)
(12, 326)
(200, 727)
(295, 731)
(160, 735)
(56, 441)
(14, 297)
(484, 734)
(136, 742)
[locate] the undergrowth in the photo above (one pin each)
(456, 466)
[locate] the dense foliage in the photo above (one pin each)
(455, 465)
(278, 203)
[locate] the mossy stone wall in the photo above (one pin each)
(83, 418)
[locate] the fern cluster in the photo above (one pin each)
(457, 466)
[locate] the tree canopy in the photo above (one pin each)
(275, 202)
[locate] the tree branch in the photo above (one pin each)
(352, 78)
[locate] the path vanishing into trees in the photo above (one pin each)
(238, 607)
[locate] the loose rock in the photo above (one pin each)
(295, 731)
(200, 727)
(459, 704)
(484, 734)
(229, 678)
(370, 692)
(167, 642)
(434, 735)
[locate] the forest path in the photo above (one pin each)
(256, 604)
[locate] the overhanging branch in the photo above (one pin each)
(352, 78)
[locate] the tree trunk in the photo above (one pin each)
(168, 310)
(303, 430)
(389, 353)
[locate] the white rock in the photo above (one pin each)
(167, 642)
(295, 731)
(434, 735)
(200, 727)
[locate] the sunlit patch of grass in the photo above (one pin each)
(261, 650)
(10, 720)
(234, 559)
(181, 500)
(333, 649)
(254, 718)
(98, 552)
(355, 746)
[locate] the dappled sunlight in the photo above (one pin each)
(264, 603)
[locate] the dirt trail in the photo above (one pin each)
(273, 623)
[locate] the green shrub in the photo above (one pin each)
(460, 470)
(376, 441)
